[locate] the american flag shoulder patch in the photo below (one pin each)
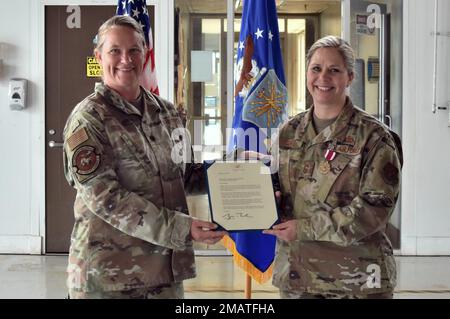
(78, 137)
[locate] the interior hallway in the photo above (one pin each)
(43, 277)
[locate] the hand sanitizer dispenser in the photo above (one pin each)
(17, 94)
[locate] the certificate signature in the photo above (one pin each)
(236, 215)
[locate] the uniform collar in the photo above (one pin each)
(335, 133)
(115, 99)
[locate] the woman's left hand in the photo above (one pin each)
(286, 231)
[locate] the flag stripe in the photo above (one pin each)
(137, 9)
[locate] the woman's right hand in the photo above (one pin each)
(203, 231)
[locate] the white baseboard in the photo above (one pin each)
(20, 244)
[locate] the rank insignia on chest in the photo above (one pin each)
(308, 168)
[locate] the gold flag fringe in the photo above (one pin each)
(245, 264)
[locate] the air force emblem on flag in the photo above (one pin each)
(250, 78)
(265, 105)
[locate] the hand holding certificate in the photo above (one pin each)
(241, 195)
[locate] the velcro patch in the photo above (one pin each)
(85, 162)
(287, 143)
(347, 149)
(342, 148)
(308, 168)
(77, 138)
(390, 174)
(349, 140)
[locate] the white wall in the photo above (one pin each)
(20, 131)
(426, 136)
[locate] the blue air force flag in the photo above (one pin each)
(260, 106)
(260, 91)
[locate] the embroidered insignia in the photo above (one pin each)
(77, 138)
(354, 150)
(266, 104)
(342, 148)
(85, 161)
(308, 168)
(287, 143)
(349, 140)
(390, 174)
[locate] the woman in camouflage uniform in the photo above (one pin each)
(133, 235)
(339, 171)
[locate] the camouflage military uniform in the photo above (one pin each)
(132, 228)
(342, 204)
(166, 291)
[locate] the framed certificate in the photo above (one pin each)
(241, 195)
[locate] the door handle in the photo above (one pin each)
(53, 144)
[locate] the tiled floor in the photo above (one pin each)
(23, 276)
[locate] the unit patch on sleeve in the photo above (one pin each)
(84, 162)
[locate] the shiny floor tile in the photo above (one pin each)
(43, 277)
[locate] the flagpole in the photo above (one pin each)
(248, 286)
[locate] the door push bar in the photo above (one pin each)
(434, 106)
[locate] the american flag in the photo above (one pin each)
(137, 9)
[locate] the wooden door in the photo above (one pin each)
(67, 49)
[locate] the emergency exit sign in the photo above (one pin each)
(93, 69)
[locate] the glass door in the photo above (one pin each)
(365, 23)
(373, 29)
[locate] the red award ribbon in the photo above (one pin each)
(330, 155)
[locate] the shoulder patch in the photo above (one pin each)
(77, 138)
(85, 161)
(390, 174)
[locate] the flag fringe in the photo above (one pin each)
(245, 264)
